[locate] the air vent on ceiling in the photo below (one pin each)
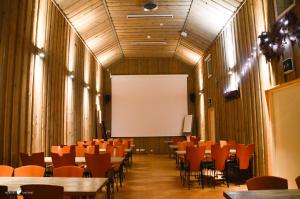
(132, 16)
(143, 43)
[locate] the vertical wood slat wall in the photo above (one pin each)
(244, 119)
(18, 98)
(147, 66)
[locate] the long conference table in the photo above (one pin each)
(79, 187)
(263, 194)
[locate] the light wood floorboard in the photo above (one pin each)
(156, 176)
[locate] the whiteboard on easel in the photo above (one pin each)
(187, 124)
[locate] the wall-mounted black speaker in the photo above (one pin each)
(192, 97)
(106, 99)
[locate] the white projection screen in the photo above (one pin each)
(148, 105)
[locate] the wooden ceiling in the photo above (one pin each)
(92, 21)
(105, 28)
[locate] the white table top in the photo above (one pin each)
(72, 186)
(173, 146)
(81, 160)
(207, 151)
(128, 150)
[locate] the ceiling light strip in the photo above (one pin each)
(139, 43)
(136, 16)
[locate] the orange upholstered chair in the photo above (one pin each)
(181, 146)
(61, 149)
(298, 182)
(33, 159)
(267, 183)
(79, 151)
(62, 160)
(6, 171)
(244, 154)
(43, 191)
(209, 143)
(98, 164)
(30, 171)
(3, 190)
(220, 156)
(109, 149)
(194, 156)
(90, 149)
(68, 171)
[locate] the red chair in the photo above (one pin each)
(3, 190)
(267, 183)
(6, 171)
(298, 182)
(220, 156)
(29, 171)
(109, 149)
(244, 155)
(33, 159)
(99, 164)
(61, 149)
(68, 171)
(64, 160)
(194, 156)
(79, 151)
(42, 191)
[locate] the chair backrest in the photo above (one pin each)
(209, 143)
(61, 149)
(244, 154)
(6, 171)
(29, 171)
(102, 145)
(64, 160)
(220, 155)
(68, 171)
(298, 182)
(267, 183)
(98, 164)
(3, 190)
(43, 191)
(109, 149)
(90, 149)
(189, 144)
(33, 159)
(181, 146)
(120, 151)
(79, 151)
(194, 155)
(80, 143)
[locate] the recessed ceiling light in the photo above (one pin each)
(148, 36)
(161, 24)
(184, 34)
(150, 6)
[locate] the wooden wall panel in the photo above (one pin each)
(246, 119)
(144, 66)
(33, 91)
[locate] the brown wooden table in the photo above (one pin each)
(263, 194)
(72, 186)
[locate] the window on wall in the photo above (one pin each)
(232, 83)
(208, 64)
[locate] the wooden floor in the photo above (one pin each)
(156, 176)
